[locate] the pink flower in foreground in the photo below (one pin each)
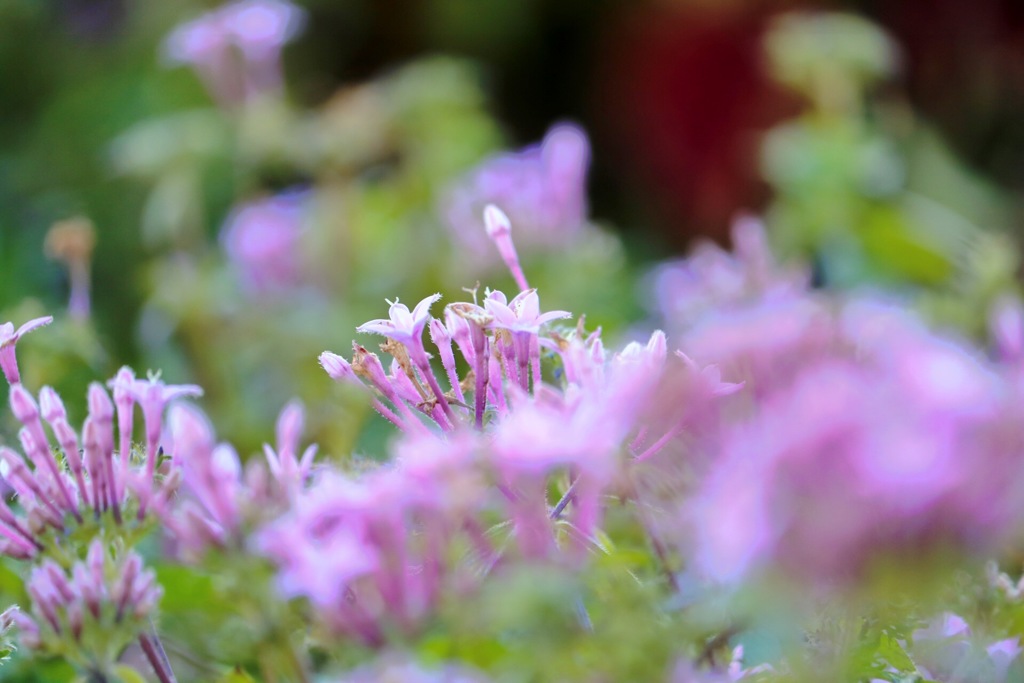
(99, 595)
(522, 314)
(404, 326)
(895, 438)
(9, 338)
(153, 396)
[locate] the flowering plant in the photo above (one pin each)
(771, 482)
(617, 515)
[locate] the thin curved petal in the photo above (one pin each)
(552, 315)
(422, 310)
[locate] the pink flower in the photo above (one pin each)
(237, 49)
(287, 467)
(404, 327)
(542, 189)
(212, 472)
(522, 314)
(320, 545)
(9, 338)
(153, 396)
(263, 241)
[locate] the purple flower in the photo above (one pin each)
(98, 595)
(711, 280)
(261, 27)
(522, 314)
(263, 241)
(320, 546)
(896, 438)
(287, 467)
(211, 472)
(237, 49)
(153, 396)
(404, 327)
(542, 189)
(9, 338)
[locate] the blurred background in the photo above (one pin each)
(241, 185)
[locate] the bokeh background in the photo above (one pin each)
(883, 142)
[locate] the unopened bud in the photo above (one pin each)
(23, 405)
(337, 368)
(100, 406)
(51, 405)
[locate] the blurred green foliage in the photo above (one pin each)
(868, 192)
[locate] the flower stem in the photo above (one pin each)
(154, 651)
(556, 512)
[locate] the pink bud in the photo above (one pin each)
(337, 368)
(28, 629)
(95, 559)
(23, 405)
(75, 619)
(51, 405)
(58, 580)
(289, 428)
(85, 586)
(100, 406)
(496, 222)
(123, 384)
(499, 229)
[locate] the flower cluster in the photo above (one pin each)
(75, 498)
(91, 612)
(84, 478)
(371, 553)
(800, 438)
(220, 501)
(867, 435)
(483, 438)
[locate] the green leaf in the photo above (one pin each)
(892, 652)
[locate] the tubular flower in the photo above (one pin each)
(9, 338)
(403, 326)
(220, 500)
